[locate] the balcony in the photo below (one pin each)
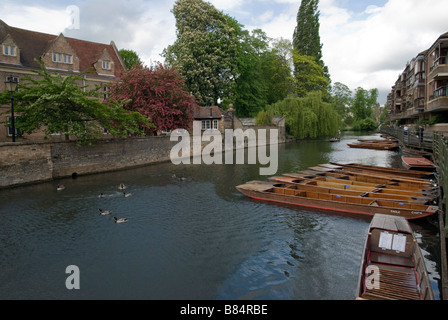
(439, 100)
(439, 62)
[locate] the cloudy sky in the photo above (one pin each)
(365, 43)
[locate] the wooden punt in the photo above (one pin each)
(418, 163)
(294, 195)
(354, 190)
(383, 170)
(373, 193)
(392, 265)
(377, 145)
(426, 188)
(369, 178)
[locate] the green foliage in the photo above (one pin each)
(309, 75)
(130, 58)
(307, 117)
(306, 38)
(59, 104)
(342, 100)
(205, 50)
(366, 124)
(363, 103)
(263, 118)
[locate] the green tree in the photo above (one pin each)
(278, 70)
(309, 75)
(342, 99)
(307, 117)
(251, 84)
(363, 103)
(306, 38)
(130, 58)
(57, 103)
(204, 51)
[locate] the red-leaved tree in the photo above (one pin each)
(157, 92)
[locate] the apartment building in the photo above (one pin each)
(420, 93)
(99, 63)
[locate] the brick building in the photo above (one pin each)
(420, 93)
(99, 63)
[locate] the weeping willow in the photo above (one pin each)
(307, 117)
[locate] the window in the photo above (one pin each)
(18, 133)
(62, 58)
(106, 65)
(9, 50)
(209, 124)
(205, 124)
(105, 92)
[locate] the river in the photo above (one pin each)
(190, 235)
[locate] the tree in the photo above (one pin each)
(59, 104)
(251, 83)
(362, 109)
(307, 117)
(363, 103)
(130, 58)
(308, 49)
(278, 70)
(306, 38)
(204, 51)
(309, 75)
(342, 100)
(158, 93)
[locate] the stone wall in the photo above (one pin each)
(24, 163)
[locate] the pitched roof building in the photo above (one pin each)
(19, 48)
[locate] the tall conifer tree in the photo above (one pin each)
(306, 39)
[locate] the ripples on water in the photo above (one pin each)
(192, 236)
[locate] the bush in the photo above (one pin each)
(365, 125)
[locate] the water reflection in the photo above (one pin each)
(190, 235)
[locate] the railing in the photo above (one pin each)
(434, 141)
(441, 92)
(411, 139)
(440, 152)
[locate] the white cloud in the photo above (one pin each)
(366, 47)
(372, 51)
(25, 17)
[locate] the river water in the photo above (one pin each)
(190, 235)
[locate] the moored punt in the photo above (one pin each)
(294, 195)
(392, 265)
(384, 170)
(379, 180)
(373, 193)
(378, 145)
(418, 163)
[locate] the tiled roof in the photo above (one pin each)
(34, 44)
(213, 112)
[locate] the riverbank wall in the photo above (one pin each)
(26, 163)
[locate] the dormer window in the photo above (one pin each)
(9, 50)
(106, 65)
(62, 58)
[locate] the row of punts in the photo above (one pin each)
(351, 188)
(392, 265)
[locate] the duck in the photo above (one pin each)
(104, 213)
(121, 186)
(121, 220)
(126, 195)
(60, 187)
